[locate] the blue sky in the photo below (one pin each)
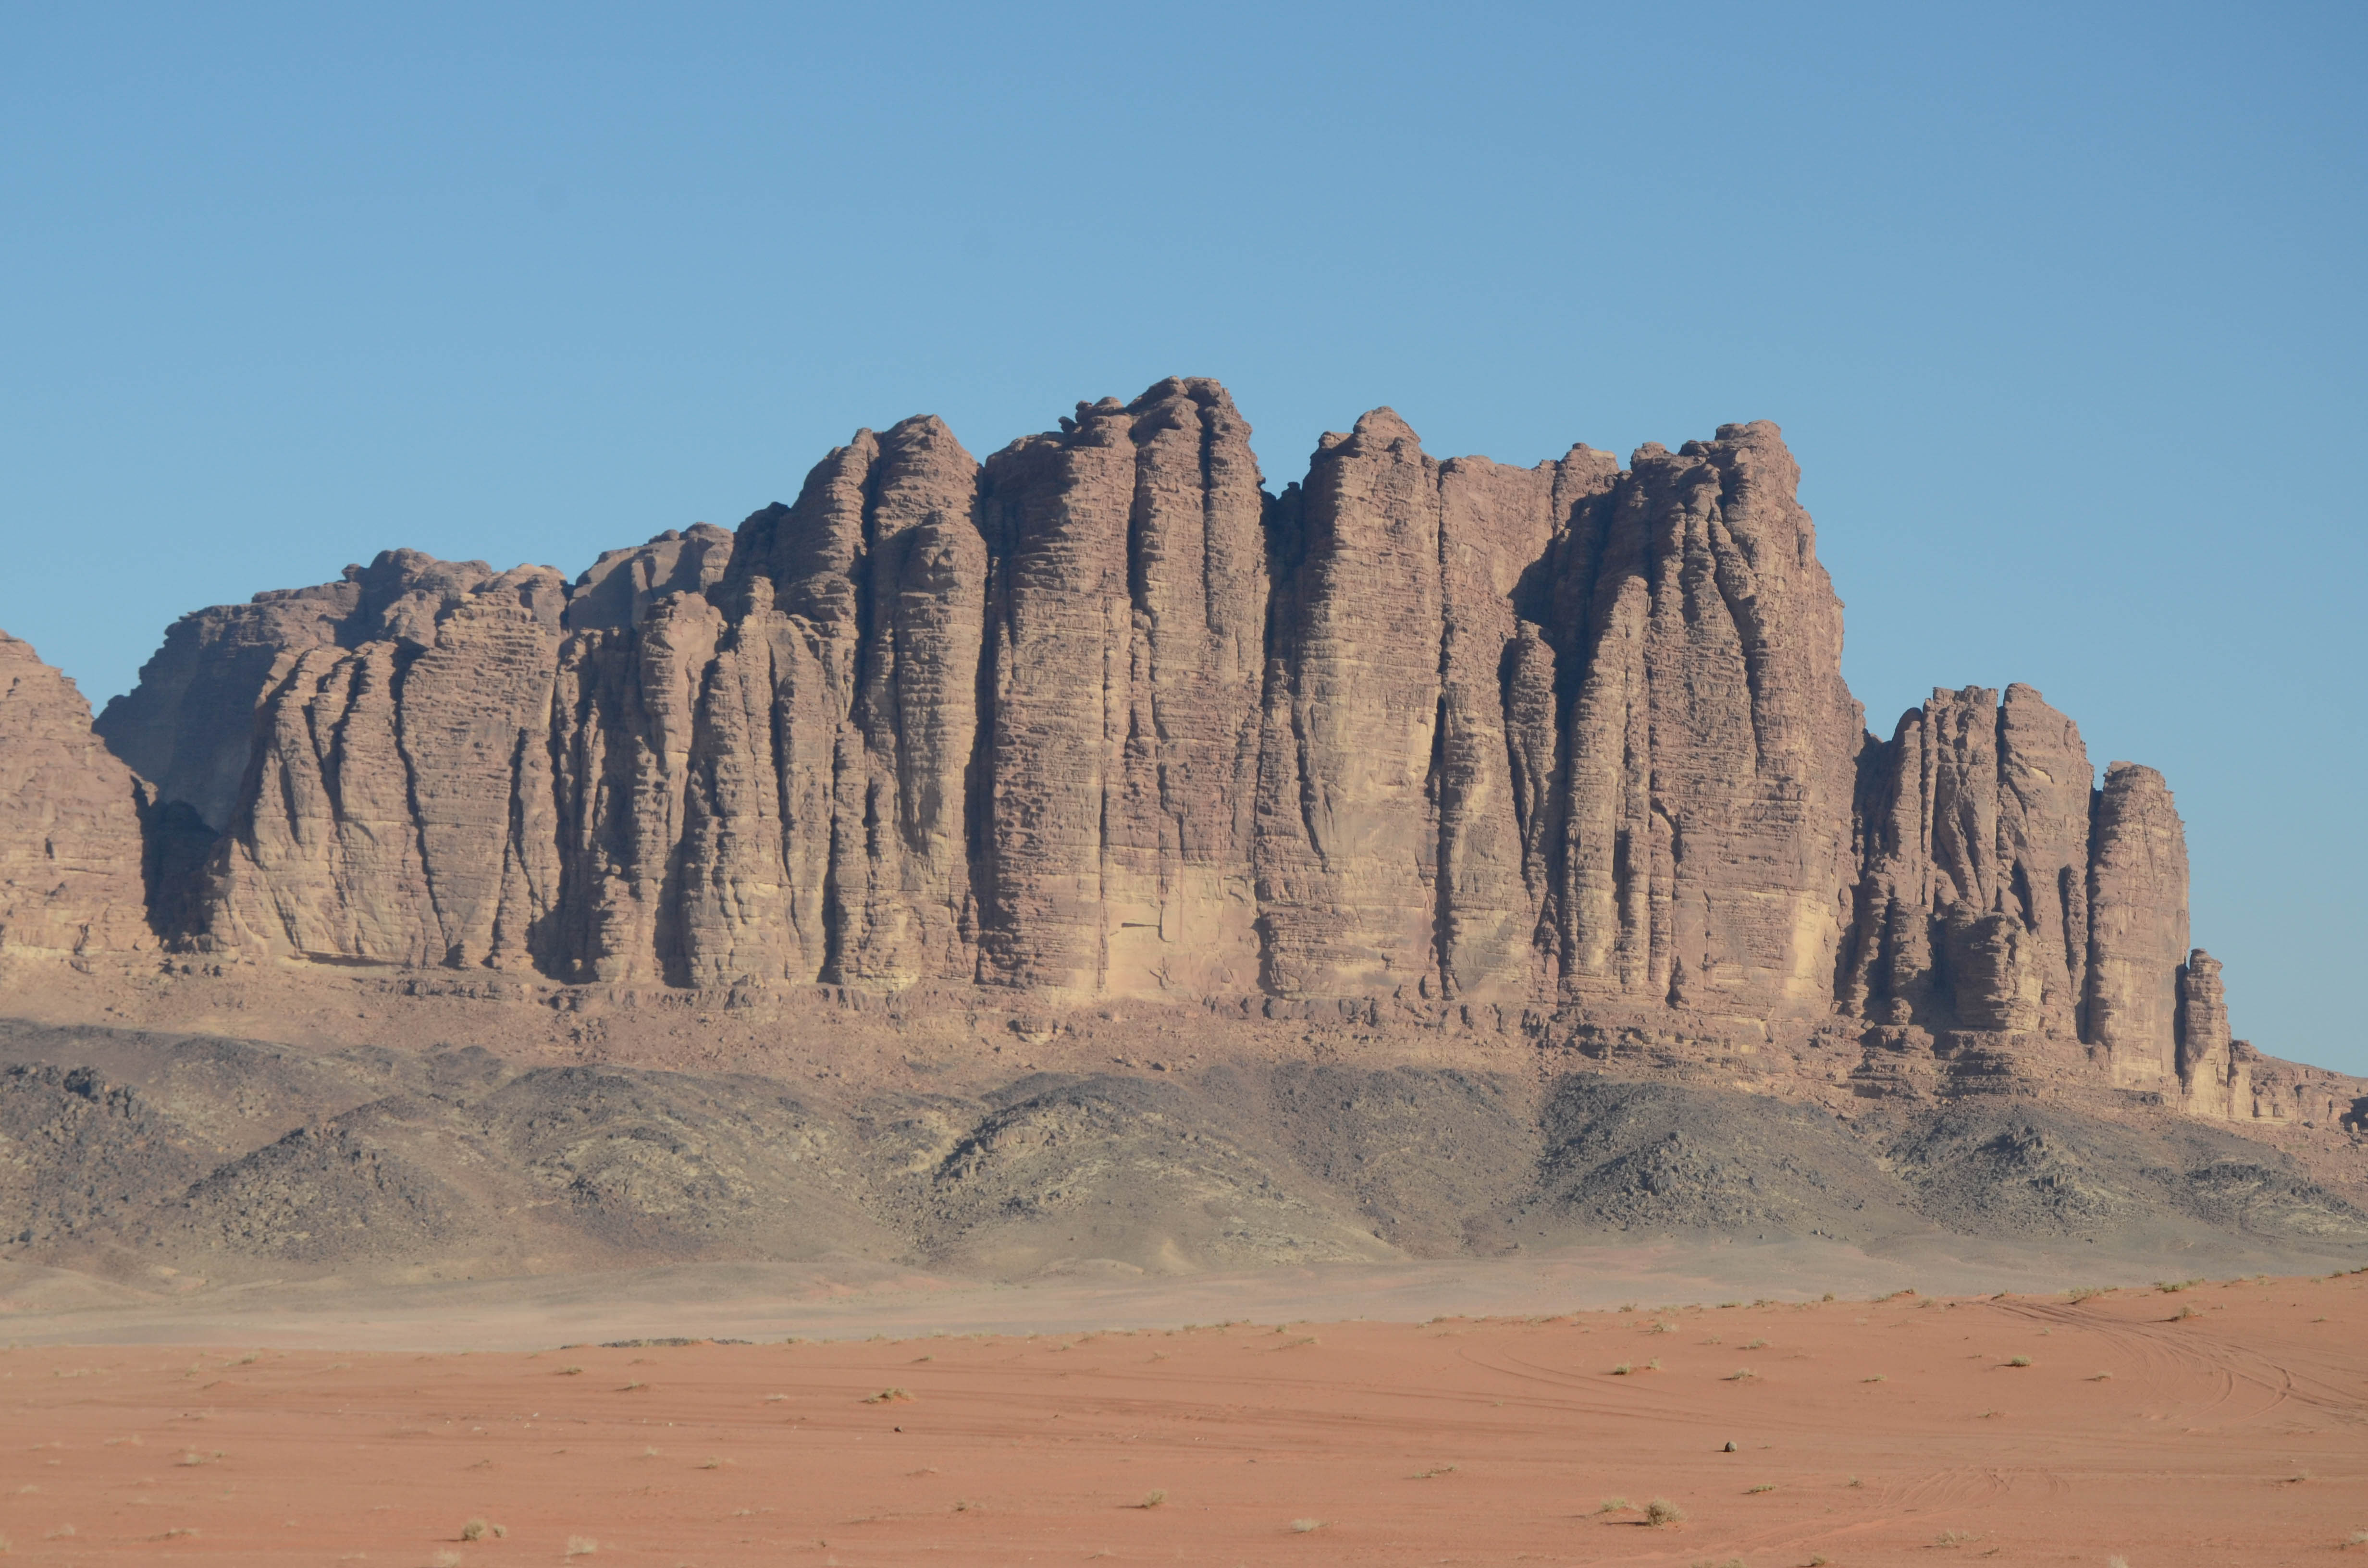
(2060, 307)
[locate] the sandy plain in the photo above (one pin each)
(2218, 1423)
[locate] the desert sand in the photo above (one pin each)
(2207, 1422)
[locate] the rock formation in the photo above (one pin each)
(2207, 1067)
(1972, 910)
(1099, 717)
(1713, 748)
(70, 838)
(392, 784)
(2137, 914)
(1126, 619)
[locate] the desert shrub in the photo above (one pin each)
(1661, 1511)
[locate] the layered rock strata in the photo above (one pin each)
(1100, 717)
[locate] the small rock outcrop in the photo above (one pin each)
(71, 849)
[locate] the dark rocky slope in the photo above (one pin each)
(146, 1156)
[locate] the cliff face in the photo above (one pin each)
(70, 838)
(1118, 754)
(1100, 717)
(1974, 909)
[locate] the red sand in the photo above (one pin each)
(1866, 1434)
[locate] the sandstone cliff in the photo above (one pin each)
(70, 839)
(1100, 717)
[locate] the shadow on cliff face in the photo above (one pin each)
(449, 1162)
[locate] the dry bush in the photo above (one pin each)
(889, 1396)
(474, 1531)
(2018, 1360)
(582, 1546)
(1615, 1505)
(1302, 1526)
(1661, 1511)
(1152, 1499)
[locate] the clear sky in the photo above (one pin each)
(2060, 306)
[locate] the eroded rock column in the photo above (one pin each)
(2138, 903)
(1125, 645)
